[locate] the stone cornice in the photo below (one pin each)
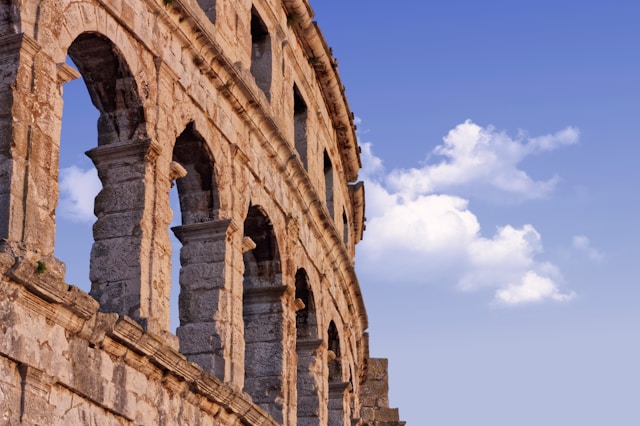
(326, 68)
(356, 193)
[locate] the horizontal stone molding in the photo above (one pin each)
(214, 230)
(13, 45)
(265, 294)
(337, 389)
(308, 344)
(124, 152)
(35, 278)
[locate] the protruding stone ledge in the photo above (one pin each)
(214, 230)
(124, 152)
(45, 278)
(357, 196)
(66, 73)
(11, 45)
(308, 344)
(265, 294)
(337, 389)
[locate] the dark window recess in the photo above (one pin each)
(328, 183)
(260, 53)
(300, 125)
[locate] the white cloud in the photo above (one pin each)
(78, 189)
(532, 288)
(582, 244)
(481, 160)
(419, 236)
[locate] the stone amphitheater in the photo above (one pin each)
(238, 104)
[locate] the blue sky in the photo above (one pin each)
(500, 263)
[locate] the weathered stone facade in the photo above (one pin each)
(240, 105)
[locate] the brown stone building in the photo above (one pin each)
(240, 105)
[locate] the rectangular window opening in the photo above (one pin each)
(260, 53)
(300, 125)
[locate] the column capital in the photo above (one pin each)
(265, 294)
(339, 388)
(213, 230)
(309, 344)
(124, 152)
(15, 44)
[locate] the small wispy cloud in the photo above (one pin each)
(582, 244)
(78, 189)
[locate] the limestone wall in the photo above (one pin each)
(238, 104)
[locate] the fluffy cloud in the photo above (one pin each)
(78, 189)
(532, 288)
(428, 234)
(482, 159)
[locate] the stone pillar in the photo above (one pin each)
(30, 116)
(121, 277)
(308, 384)
(337, 392)
(205, 330)
(264, 349)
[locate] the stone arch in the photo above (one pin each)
(307, 349)
(104, 24)
(198, 189)
(263, 314)
(125, 161)
(112, 87)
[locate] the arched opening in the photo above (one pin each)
(120, 159)
(300, 125)
(337, 387)
(112, 88)
(328, 183)
(307, 346)
(78, 183)
(202, 254)
(345, 228)
(263, 315)
(197, 189)
(195, 194)
(176, 247)
(333, 347)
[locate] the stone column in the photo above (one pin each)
(205, 330)
(121, 278)
(30, 116)
(337, 410)
(308, 385)
(264, 377)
